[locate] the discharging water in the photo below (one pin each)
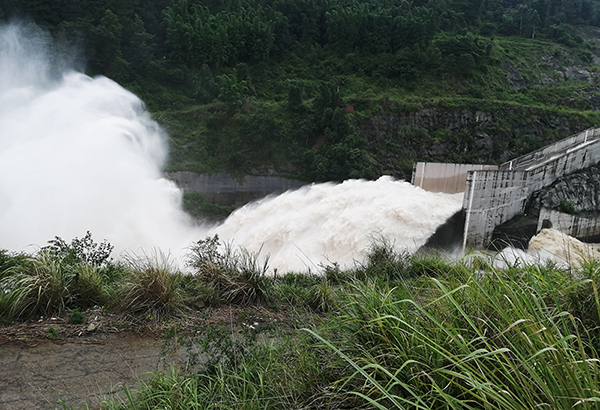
(81, 154)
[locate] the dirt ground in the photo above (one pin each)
(52, 364)
(47, 374)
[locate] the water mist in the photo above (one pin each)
(78, 154)
(81, 154)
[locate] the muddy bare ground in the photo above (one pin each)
(48, 374)
(80, 366)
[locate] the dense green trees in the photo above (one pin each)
(130, 40)
(253, 59)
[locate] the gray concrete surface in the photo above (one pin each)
(441, 177)
(223, 189)
(494, 197)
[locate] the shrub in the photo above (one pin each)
(80, 251)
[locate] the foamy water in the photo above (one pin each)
(327, 223)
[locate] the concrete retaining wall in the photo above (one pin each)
(440, 177)
(494, 197)
(583, 227)
(222, 189)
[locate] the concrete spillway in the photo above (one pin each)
(496, 194)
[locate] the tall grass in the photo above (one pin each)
(494, 340)
(36, 286)
(402, 331)
(151, 286)
(238, 275)
(276, 373)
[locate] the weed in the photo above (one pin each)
(568, 207)
(38, 286)
(52, 332)
(76, 317)
(236, 274)
(90, 286)
(151, 287)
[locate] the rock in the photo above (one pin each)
(578, 74)
(483, 141)
(581, 189)
(93, 326)
(517, 81)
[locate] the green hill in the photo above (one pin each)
(329, 90)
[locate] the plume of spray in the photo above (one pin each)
(81, 154)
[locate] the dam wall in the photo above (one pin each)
(493, 197)
(578, 226)
(444, 177)
(223, 189)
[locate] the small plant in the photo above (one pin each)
(52, 333)
(76, 317)
(568, 207)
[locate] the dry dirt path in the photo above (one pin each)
(39, 376)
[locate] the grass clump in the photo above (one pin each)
(150, 287)
(237, 275)
(40, 286)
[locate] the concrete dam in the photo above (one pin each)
(496, 196)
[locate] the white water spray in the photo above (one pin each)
(80, 153)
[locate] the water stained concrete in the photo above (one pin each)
(47, 374)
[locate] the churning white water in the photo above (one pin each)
(81, 154)
(326, 223)
(550, 245)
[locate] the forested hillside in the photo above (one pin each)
(335, 89)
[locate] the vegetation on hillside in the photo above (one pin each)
(328, 90)
(398, 331)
